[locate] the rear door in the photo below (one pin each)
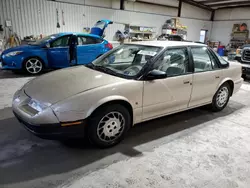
(206, 77)
(58, 53)
(88, 49)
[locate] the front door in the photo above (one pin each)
(171, 94)
(206, 77)
(88, 49)
(58, 53)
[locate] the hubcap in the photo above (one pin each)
(111, 126)
(222, 96)
(34, 66)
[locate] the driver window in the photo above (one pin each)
(174, 62)
(61, 42)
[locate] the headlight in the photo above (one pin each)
(13, 53)
(238, 51)
(37, 105)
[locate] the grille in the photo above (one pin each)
(246, 55)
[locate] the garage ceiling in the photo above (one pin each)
(207, 4)
(216, 4)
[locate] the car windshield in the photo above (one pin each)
(43, 40)
(126, 60)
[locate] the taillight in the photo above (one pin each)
(109, 45)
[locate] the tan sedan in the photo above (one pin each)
(133, 83)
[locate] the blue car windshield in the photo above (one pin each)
(44, 40)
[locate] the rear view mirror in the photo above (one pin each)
(156, 74)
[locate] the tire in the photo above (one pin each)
(110, 120)
(33, 66)
(244, 76)
(221, 97)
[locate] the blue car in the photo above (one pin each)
(57, 51)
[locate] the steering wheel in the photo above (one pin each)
(133, 70)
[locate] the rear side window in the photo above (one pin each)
(84, 40)
(202, 61)
(222, 60)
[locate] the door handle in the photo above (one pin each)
(186, 82)
(217, 77)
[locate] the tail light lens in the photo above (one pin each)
(109, 45)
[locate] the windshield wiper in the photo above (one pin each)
(101, 68)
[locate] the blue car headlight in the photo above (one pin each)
(37, 105)
(13, 53)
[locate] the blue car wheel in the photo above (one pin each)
(33, 66)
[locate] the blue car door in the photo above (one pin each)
(88, 49)
(58, 52)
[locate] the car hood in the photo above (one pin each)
(20, 48)
(58, 85)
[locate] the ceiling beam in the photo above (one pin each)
(231, 3)
(230, 7)
(149, 3)
(179, 8)
(211, 1)
(197, 4)
(122, 4)
(212, 15)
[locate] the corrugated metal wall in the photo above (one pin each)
(34, 17)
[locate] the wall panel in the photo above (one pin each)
(39, 17)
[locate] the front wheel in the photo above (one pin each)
(108, 125)
(221, 97)
(33, 66)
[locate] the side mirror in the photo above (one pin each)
(47, 45)
(156, 74)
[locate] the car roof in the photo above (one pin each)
(167, 43)
(78, 33)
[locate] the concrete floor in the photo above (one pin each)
(196, 148)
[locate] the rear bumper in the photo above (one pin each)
(54, 131)
(237, 85)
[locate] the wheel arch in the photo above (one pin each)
(230, 82)
(112, 100)
(27, 58)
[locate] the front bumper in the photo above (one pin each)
(11, 63)
(54, 131)
(44, 124)
(245, 69)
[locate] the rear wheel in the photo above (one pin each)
(108, 125)
(221, 97)
(33, 66)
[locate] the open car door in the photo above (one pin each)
(100, 27)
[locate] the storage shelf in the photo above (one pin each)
(141, 32)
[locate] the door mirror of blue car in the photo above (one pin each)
(47, 45)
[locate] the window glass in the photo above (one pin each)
(202, 61)
(126, 60)
(82, 40)
(214, 61)
(222, 60)
(174, 62)
(61, 42)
